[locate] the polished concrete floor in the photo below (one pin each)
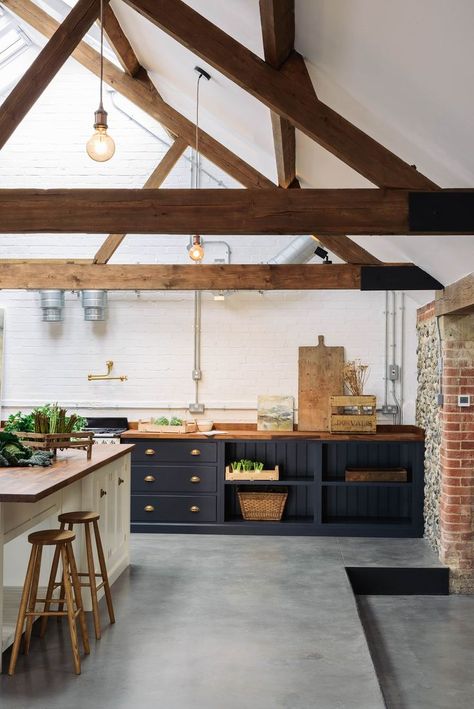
(220, 622)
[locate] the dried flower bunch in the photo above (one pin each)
(355, 375)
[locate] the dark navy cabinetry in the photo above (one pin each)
(179, 485)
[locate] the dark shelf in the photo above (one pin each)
(392, 521)
(362, 483)
(294, 481)
(286, 520)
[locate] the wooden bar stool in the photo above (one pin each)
(88, 519)
(62, 540)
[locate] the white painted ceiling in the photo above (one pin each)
(402, 71)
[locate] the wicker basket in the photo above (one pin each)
(263, 506)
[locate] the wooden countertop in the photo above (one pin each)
(32, 484)
(249, 432)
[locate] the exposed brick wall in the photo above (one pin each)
(457, 452)
(449, 429)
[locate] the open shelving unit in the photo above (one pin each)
(320, 500)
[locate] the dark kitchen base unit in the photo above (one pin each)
(179, 486)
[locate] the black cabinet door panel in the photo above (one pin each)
(155, 450)
(170, 508)
(153, 479)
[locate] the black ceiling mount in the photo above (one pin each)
(202, 72)
(434, 212)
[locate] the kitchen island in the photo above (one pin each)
(34, 497)
(179, 482)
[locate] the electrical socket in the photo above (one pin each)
(393, 372)
(197, 375)
(390, 409)
(196, 408)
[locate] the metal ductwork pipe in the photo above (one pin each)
(52, 304)
(300, 250)
(94, 303)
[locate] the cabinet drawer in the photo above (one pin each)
(155, 450)
(152, 479)
(169, 508)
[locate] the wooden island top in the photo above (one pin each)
(30, 484)
(248, 431)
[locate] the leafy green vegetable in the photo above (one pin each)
(14, 453)
(49, 418)
(162, 421)
(246, 465)
(175, 421)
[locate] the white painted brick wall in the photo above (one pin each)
(249, 342)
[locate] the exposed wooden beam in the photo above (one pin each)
(278, 32)
(119, 43)
(280, 94)
(456, 298)
(139, 92)
(46, 65)
(204, 277)
(209, 211)
(156, 179)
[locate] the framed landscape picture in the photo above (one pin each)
(275, 413)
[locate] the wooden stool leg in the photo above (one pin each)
(77, 595)
(93, 586)
(61, 589)
(32, 600)
(49, 592)
(22, 611)
(103, 571)
(70, 610)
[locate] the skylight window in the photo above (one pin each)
(12, 42)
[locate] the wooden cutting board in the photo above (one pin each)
(319, 377)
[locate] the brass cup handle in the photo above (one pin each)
(195, 451)
(102, 492)
(195, 479)
(121, 481)
(149, 478)
(149, 508)
(149, 451)
(194, 508)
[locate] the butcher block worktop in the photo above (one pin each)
(236, 431)
(32, 484)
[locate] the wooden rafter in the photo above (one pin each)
(278, 32)
(211, 211)
(32, 275)
(138, 91)
(457, 298)
(276, 90)
(156, 179)
(46, 65)
(120, 44)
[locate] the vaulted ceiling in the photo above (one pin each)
(401, 72)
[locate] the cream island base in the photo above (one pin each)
(32, 498)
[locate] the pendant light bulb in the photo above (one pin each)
(101, 147)
(196, 251)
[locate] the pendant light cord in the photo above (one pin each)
(198, 157)
(101, 51)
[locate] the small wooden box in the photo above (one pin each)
(376, 475)
(186, 427)
(53, 441)
(362, 417)
(253, 475)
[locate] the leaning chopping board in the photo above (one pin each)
(319, 377)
